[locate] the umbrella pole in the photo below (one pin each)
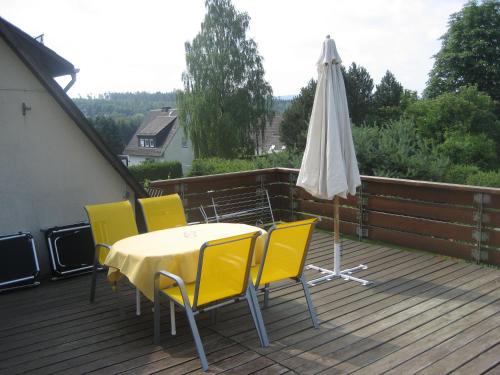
(336, 241)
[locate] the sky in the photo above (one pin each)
(132, 45)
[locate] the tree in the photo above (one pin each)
(226, 101)
(359, 88)
(470, 52)
(395, 149)
(293, 127)
(109, 130)
(387, 98)
(464, 123)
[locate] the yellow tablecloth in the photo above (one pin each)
(175, 250)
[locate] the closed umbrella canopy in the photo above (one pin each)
(329, 166)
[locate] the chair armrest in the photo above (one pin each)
(96, 251)
(178, 280)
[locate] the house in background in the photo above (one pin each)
(52, 161)
(160, 138)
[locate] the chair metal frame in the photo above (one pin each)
(299, 278)
(95, 268)
(192, 310)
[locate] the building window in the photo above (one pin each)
(146, 142)
(141, 142)
(152, 142)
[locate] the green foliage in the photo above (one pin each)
(475, 149)
(359, 88)
(124, 104)
(472, 175)
(459, 173)
(156, 170)
(387, 98)
(491, 178)
(285, 159)
(464, 122)
(112, 132)
(293, 127)
(396, 150)
(469, 52)
(226, 102)
(202, 167)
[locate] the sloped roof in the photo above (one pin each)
(46, 64)
(154, 120)
(156, 125)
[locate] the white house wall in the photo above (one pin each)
(175, 151)
(49, 168)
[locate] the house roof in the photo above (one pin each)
(46, 64)
(155, 120)
(156, 125)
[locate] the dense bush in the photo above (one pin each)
(156, 170)
(284, 159)
(396, 150)
(202, 167)
(458, 174)
(491, 178)
(471, 149)
(466, 111)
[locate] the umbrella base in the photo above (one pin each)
(330, 275)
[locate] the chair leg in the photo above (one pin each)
(310, 305)
(137, 302)
(93, 282)
(156, 318)
(257, 316)
(266, 296)
(172, 318)
(197, 339)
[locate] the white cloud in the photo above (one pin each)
(139, 46)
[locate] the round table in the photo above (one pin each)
(175, 250)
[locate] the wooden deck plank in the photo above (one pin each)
(466, 354)
(424, 313)
(366, 313)
(483, 362)
(480, 325)
(434, 323)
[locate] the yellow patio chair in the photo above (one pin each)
(110, 222)
(222, 275)
(163, 212)
(283, 258)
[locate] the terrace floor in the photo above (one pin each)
(423, 314)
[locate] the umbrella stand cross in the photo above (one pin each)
(336, 272)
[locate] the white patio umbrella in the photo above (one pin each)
(329, 167)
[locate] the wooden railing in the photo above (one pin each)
(452, 220)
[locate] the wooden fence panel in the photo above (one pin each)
(453, 220)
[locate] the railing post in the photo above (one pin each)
(480, 199)
(362, 213)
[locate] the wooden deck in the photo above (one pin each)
(423, 314)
